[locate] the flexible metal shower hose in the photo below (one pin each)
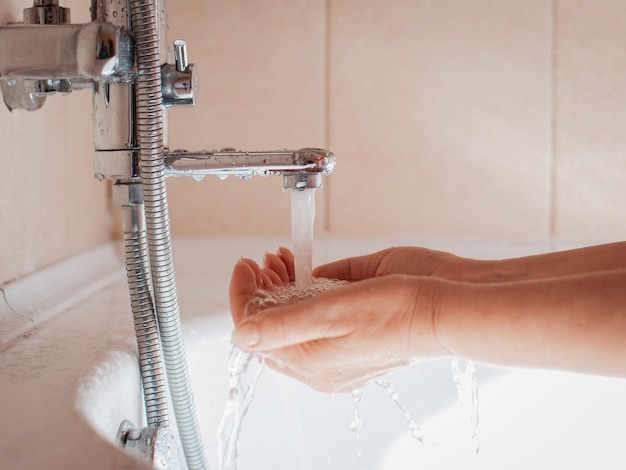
(146, 328)
(151, 153)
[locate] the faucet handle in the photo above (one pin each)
(180, 80)
(180, 55)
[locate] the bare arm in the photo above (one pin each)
(341, 339)
(559, 263)
(425, 262)
(575, 323)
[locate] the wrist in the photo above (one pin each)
(479, 271)
(428, 297)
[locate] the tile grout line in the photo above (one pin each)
(326, 113)
(553, 120)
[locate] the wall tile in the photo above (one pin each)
(590, 136)
(440, 118)
(50, 205)
(262, 88)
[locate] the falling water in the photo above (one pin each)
(464, 375)
(302, 218)
(242, 379)
(242, 373)
(414, 429)
(355, 425)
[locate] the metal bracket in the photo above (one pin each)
(154, 445)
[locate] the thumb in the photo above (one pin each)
(288, 325)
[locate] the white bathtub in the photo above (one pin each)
(68, 383)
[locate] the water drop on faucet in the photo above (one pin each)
(198, 177)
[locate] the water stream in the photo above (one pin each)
(464, 376)
(355, 425)
(302, 221)
(244, 370)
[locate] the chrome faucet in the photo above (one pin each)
(122, 56)
(301, 169)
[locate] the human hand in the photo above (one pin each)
(341, 339)
(409, 260)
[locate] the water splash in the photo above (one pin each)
(464, 376)
(414, 428)
(242, 380)
(290, 293)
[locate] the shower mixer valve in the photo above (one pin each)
(46, 54)
(101, 55)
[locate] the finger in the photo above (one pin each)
(255, 268)
(266, 281)
(272, 278)
(276, 264)
(287, 256)
(243, 282)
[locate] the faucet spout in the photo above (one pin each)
(300, 169)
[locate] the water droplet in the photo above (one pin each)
(222, 177)
(198, 177)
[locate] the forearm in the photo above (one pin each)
(557, 264)
(574, 323)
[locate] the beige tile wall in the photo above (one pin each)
(50, 204)
(476, 119)
(590, 177)
(440, 113)
(262, 69)
(500, 120)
